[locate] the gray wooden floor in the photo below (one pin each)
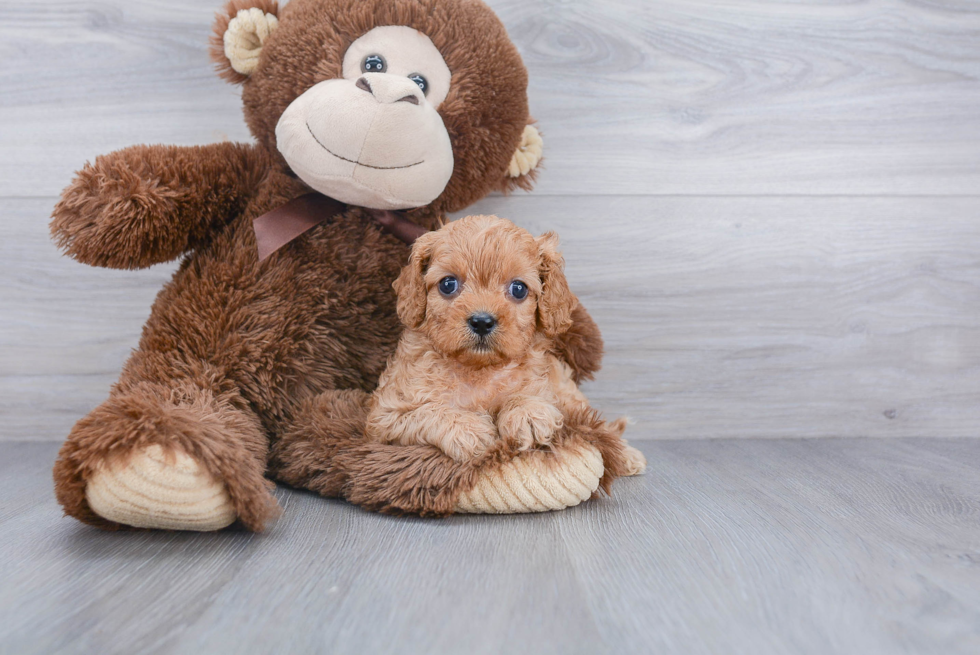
(725, 546)
(773, 211)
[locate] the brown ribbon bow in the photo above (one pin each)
(275, 229)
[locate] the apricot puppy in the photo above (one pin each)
(482, 301)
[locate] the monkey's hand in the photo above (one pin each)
(149, 204)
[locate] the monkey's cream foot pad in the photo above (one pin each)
(155, 489)
(531, 483)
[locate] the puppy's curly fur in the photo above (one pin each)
(483, 302)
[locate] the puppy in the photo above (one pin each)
(482, 301)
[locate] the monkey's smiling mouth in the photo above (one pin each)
(354, 161)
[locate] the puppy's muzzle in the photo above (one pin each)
(482, 323)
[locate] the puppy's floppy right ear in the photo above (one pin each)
(410, 285)
(557, 301)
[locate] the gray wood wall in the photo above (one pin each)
(771, 208)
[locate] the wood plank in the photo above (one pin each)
(89, 77)
(65, 328)
(775, 546)
(731, 317)
(669, 97)
(776, 317)
(788, 546)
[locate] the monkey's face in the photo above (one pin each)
(374, 137)
(415, 104)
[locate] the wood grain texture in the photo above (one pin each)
(723, 317)
(725, 546)
(634, 97)
(777, 317)
(65, 328)
(704, 160)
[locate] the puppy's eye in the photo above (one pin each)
(421, 81)
(374, 64)
(518, 290)
(448, 285)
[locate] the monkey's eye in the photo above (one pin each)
(448, 285)
(518, 290)
(421, 81)
(374, 64)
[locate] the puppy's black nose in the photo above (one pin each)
(482, 323)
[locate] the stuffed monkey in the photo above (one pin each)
(372, 120)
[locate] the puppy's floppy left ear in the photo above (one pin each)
(557, 301)
(410, 285)
(523, 166)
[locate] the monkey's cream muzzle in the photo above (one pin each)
(374, 139)
(374, 142)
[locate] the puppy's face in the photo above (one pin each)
(481, 287)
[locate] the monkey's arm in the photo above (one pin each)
(149, 204)
(581, 346)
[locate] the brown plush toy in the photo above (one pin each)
(395, 112)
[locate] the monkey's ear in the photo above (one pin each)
(557, 301)
(410, 285)
(523, 165)
(240, 31)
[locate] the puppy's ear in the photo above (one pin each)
(557, 301)
(410, 285)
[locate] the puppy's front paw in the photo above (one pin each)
(466, 435)
(529, 422)
(636, 461)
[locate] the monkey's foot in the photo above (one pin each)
(536, 481)
(158, 489)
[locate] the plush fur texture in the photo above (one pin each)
(486, 109)
(325, 451)
(264, 368)
(460, 389)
